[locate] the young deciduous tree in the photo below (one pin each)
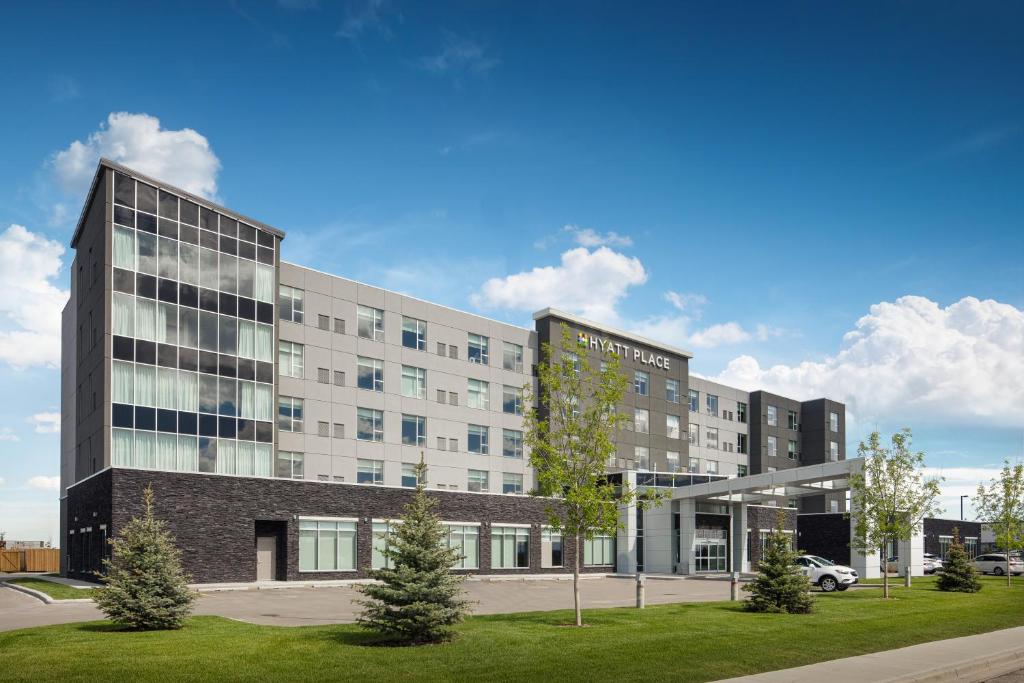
(146, 588)
(780, 586)
(1001, 505)
(570, 428)
(958, 574)
(891, 496)
(418, 599)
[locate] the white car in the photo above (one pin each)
(932, 563)
(825, 574)
(995, 563)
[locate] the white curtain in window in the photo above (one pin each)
(188, 391)
(123, 307)
(167, 389)
(123, 381)
(247, 405)
(145, 450)
(265, 343)
(122, 443)
(166, 452)
(188, 454)
(167, 324)
(264, 462)
(124, 248)
(264, 283)
(226, 456)
(247, 339)
(264, 402)
(145, 385)
(145, 319)
(244, 458)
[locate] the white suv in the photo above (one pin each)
(995, 563)
(828, 575)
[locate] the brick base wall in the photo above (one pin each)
(826, 535)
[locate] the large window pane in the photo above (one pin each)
(188, 391)
(228, 335)
(208, 271)
(122, 447)
(246, 278)
(168, 258)
(228, 274)
(246, 339)
(264, 283)
(124, 248)
(188, 327)
(167, 324)
(167, 389)
(207, 331)
(188, 261)
(145, 319)
(145, 385)
(147, 262)
(123, 311)
(123, 382)
(265, 349)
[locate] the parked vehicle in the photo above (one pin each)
(826, 574)
(932, 563)
(995, 563)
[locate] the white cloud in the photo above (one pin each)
(913, 359)
(360, 16)
(960, 481)
(686, 302)
(42, 483)
(47, 423)
(180, 157)
(588, 283)
(30, 303)
(588, 237)
(2, 481)
(719, 335)
(459, 55)
(7, 434)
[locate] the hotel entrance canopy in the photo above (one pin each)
(796, 482)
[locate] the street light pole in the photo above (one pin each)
(962, 507)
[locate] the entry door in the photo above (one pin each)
(266, 558)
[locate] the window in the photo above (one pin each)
(339, 326)
(741, 443)
(641, 420)
(369, 424)
(642, 457)
(694, 466)
(510, 547)
(453, 445)
(290, 302)
(414, 382)
(791, 450)
(323, 428)
(641, 383)
(741, 470)
(694, 434)
(381, 539)
(711, 402)
(453, 398)
(453, 351)
(970, 545)
(369, 471)
(327, 545)
(511, 483)
(574, 361)
(833, 451)
(477, 481)
(323, 322)
(289, 465)
(339, 430)
(410, 479)
(672, 390)
(672, 426)
(339, 378)
(511, 443)
(773, 446)
(289, 358)
(791, 420)
(466, 539)
(478, 349)
(370, 323)
(833, 422)
(323, 375)
(414, 430)
(477, 394)
(512, 356)
(944, 543)
(711, 437)
(773, 416)
(741, 412)
(414, 334)
(694, 401)
(477, 439)
(672, 458)
(512, 400)
(550, 548)
(370, 373)
(599, 551)
(289, 413)
(712, 467)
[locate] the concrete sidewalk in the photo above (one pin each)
(968, 659)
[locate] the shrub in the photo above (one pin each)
(958, 573)
(780, 586)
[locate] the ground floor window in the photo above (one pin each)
(944, 543)
(550, 548)
(381, 538)
(327, 545)
(466, 539)
(510, 547)
(971, 546)
(766, 534)
(599, 551)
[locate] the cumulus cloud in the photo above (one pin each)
(47, 423)
(586, 282)
(960, 481)
(180, 157)
(686, 302)
(42, 483)
(915, 359)
(7, 434)
(590, 238)
(30, 302)
(459, 55)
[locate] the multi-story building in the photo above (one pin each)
(279, 412)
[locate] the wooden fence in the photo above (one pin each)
(30, 560)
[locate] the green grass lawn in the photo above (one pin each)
(686, 642)
(57, 591)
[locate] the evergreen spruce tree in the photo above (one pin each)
(780, 586)
(418, 599)
(958, 573)
(146, 588)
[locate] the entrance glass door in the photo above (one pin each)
(711, 550)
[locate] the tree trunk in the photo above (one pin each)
(576, 583)
(885, 574)
(1007, 565)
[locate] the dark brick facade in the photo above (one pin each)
(215, 518)
(826, 535)
(762, 517)
(934, 527)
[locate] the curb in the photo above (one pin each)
(39, 595)
(969, 671)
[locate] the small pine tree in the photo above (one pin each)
(780, 586)
(146, 588)
(418, 599)
(958, 573)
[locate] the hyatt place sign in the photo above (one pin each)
(622, 350)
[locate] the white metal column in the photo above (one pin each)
(687, 535)
(738, 538)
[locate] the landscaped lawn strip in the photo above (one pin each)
(57, 591)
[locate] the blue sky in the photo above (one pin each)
(746, 181)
